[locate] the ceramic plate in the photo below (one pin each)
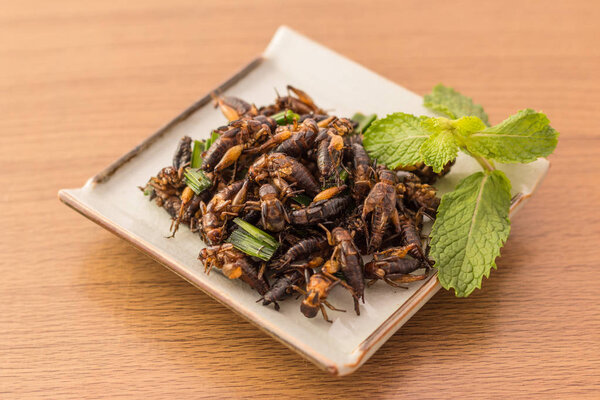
(112, 199)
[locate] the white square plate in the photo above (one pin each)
(112, 199)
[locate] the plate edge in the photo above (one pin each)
(107, 172)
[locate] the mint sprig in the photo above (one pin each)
(472, 221)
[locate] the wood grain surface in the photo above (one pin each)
(84, 315)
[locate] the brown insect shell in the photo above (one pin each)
(267, 192)
(340, 235)
(388, 177)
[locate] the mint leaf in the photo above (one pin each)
(468, 125)
(523, 137)
(439, 149)
(447, 135)
(395, 140)
(448, 101)
(471, 226)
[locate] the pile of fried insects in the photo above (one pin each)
(287, 200)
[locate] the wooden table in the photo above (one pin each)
(82, 314)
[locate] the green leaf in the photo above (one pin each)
(252, 240)
(343, 174)
(364, 121)
(257, 233)
(471, 226)
(521, 138)
(395, 140)
(439, 149)
(447, 135)
(302, 199)
(285, 117)
(201, 146)
(244, 242)
(448, 101)
(196, 160)
(465, 126)
(213, 137)
(148, 190)
(197, 180)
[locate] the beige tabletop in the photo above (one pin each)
(83, 314)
